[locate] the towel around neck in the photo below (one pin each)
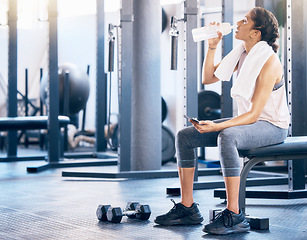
(245, 83)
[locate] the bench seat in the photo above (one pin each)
(293, 145)
(29, 122)
(293, 148)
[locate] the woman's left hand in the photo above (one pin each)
(205, 126)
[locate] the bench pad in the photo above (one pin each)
(31, 122)
(291, 145)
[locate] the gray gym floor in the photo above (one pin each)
(48, 206)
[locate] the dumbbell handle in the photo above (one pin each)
(215, 111)
(129, 212)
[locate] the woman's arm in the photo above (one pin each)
(208, 68)
(268, 76)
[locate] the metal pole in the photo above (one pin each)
(101, 82)
(226, 100)
(12, 75)
(190, 63)
(53, 110)
(297, 79)
(190, 59)
(146, 147)
(125, 85)
(26, 97)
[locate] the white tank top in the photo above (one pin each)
(276, 109)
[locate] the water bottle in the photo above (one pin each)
(210, 31)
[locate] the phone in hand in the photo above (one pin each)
(192, 119)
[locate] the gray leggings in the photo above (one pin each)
(229, 140)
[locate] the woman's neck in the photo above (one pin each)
(249, 45)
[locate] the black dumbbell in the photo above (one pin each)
(114, 215)
(137, 210)
(101, 212)
(131, 206)
(108, 213)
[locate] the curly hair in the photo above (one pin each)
(267, 24)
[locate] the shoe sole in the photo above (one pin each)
(181, 221)
(239, 228)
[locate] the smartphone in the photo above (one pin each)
(193, 119)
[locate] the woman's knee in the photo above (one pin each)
(230, 161)
(227, 137)
(182, 137)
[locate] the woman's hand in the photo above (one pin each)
(213, 42)
(205, 126)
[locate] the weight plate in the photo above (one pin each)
(209, 105)
(168, 145)
(164, 109)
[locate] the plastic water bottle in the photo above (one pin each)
(210, 31)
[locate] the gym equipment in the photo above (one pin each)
(213, 213)
(12, 74)
(278, 8)
(126, 72)
(23, 110)
(258, 223)
(30, 122)
(3, 100)
(164, 20)
(77, 87)
(164, 109)
(115, 214)
(168, 145)
(174, 33)
(209, 105)
(27, 123)
(293, 148)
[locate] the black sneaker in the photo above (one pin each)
(180, 215)
(227, 222)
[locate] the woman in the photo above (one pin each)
(262, 120)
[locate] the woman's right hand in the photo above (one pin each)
(213, 42)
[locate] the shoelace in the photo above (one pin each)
(175, 208)
(226, 217)
(173, 201)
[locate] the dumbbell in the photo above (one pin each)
(115, 214)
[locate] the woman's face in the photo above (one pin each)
(244, 28)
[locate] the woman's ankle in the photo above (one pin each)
(187, 203)
(234, 209)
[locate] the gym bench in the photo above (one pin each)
(293, 148)
(28, 123)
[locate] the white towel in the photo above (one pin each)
(245, 83)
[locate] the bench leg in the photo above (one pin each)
(245, 171)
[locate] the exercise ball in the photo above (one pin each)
(78, 88)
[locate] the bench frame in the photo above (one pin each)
(292, 193)
(28, 123)
(41, 122)
(292, 149)
(255, 156)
